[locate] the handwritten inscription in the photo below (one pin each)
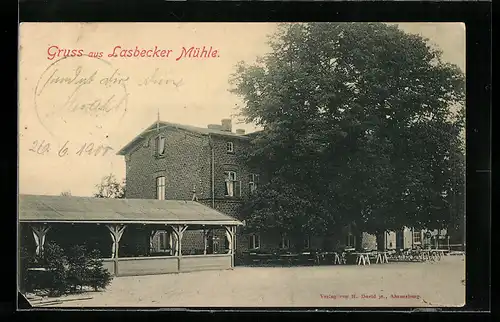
(158, 79)
(86, 149)
(81, 77)
(78, 101)
(76, 79)
(90, 93)
(40, 147)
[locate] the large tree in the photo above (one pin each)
(361, 124)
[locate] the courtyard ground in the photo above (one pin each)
(415, 285)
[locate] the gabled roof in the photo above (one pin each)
(40, 208)
(189, 128)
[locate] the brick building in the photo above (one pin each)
(180, 162)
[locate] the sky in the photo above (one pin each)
(71, 151)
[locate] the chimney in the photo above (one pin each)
(215, 127)
(226, 125)
(240, 131)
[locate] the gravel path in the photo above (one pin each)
(415, 284)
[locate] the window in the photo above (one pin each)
(232, 186)
(253, 182)
(307, 242)
(160, 145)
(160, 188)
(230, 147)
(285, 242)
(254, 241)
(164, 240)
(216, 245)
(417, 237)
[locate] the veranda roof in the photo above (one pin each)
(39, 208)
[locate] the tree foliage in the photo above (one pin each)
(68, 270)
(57, 266)
(361, 123)
(110, 187)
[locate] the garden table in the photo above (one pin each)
(382, 258)
(425, 254)
(337, 259)
(363, 258)
(439, 253)
(416, 255)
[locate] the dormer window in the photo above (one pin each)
(160, 145)
(230, 147)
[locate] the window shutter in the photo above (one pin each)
(239, 188)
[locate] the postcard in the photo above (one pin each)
(230, 165)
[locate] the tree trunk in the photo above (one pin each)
(359, 241)
(381, 245)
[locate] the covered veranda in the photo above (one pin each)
(124, 231)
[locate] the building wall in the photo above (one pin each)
(225, 161)
(186, 164)
(193, 242)
(271, 241)
(390, 240)
(369, 241)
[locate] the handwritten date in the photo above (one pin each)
(91, 149)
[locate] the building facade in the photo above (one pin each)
(177, 162)
(170, 161)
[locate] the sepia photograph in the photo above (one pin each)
(230, 165)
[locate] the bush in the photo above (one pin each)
(97, 276)
(77, 271)
(26, 261)
(57, 266)
(65, 271)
